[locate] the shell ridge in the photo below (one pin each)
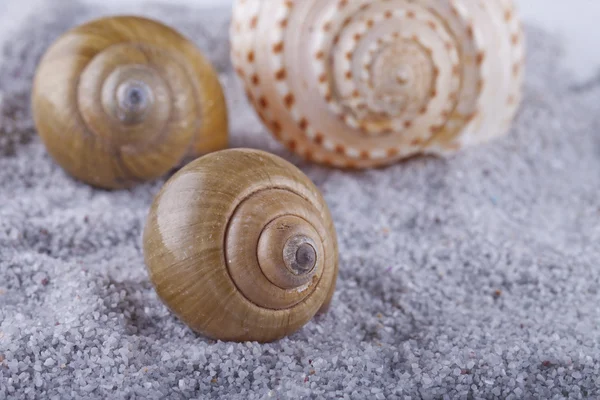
(330, 106)
(229, 219)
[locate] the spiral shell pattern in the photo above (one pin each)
(122, 100)
(241, 246)
(364, 83)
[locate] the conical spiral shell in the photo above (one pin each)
(122, 100)
(364, 83)
(241, 246)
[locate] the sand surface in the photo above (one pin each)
(471, 277)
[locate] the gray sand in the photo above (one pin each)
(471, 277)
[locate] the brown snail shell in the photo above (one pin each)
(241, 246)
(365, 83)
(122, 100)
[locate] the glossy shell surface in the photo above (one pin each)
(122, 100)
(241, 246)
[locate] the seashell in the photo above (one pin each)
(122, 100)
(365, 83)
(241, 246)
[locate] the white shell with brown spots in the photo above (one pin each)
(365, 83)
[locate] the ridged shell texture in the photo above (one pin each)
(364, 83)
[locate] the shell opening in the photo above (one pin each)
(134, 100)
(287, 253)
(300, 255)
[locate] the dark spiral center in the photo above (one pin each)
(300, 255)
(135, 96)
(306, 258)
(134, 100)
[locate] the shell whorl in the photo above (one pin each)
(241, 246)
(357, 83)
(121, 100)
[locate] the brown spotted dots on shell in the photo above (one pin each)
(365, 83)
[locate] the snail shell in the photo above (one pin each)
(241, 246)
(122, 100)
(364, 83)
